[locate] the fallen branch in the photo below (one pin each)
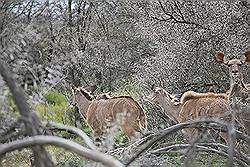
(94, 155)
(204, 147)
(202, 123)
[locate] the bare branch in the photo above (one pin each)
(18, 95)
(232, 137)
(94, 155)
(179, 10)
(202, 123)
(241, 159)
(173, 18)
(72, 129)
(12, 136)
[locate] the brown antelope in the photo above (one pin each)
(238, 89)
(192, 105)
(105, 111)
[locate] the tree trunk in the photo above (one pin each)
(31, 121)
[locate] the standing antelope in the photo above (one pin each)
(238, 89)
(104, 112)
(191, 106)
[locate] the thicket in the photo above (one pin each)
(122, 46)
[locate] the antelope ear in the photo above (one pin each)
(246, 57)
(91, 88)
(220, 57)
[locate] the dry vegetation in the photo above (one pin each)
(124, 47)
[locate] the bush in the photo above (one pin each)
(58, 113)
(56, 110)
(55, 98)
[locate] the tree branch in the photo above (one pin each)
(72, 129)
(96, 156)
(41, 157)
(175, 20)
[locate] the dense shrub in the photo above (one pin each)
(58, 110)
(55, 98)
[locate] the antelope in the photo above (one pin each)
(238, 89)
(192, 105)
(104, 112)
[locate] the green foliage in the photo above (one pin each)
(209, 160)
(179, 139)
(200, 160)
(70, 161)
(57, 109)
(121, 139)
(55, 98)
(57, 113)
(11, 104)
(86, 129)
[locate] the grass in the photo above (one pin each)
(60, 157)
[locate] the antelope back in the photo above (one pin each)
(203, 105)
(123, 112)
(197, 105)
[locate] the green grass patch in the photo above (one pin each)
(121, 139)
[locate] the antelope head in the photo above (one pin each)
(234, 65)
(160, 96)
(237, 86)
(82, 98)
(78, 92)
(170, 103)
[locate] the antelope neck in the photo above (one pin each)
(171, 109)
(83, 105)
